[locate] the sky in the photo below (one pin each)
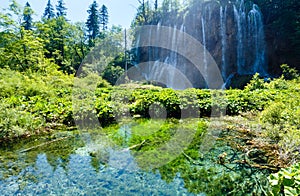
(121, 12)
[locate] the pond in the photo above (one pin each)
(134, 157)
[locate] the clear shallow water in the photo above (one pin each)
(101, 162)
(80, 178)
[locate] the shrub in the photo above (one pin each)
(288, 72)
(33, 102)
(273, 114)
(286, 181)
(256, 83)
(15, 121)
(112, 74)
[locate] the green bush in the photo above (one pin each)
(33, 102)
(112, 74)
(15, 121)
(105, 112)
(273, 114)
(187, 103)
(286, 181)
(288, 72)
(51, 96)
(256, 83)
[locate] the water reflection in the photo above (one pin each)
(102, 163)
(81, 178)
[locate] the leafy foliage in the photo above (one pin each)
(281, 117)
(286, 181)
(112, 74)
(32, 103)
(25, 44)
(289, 73)
(22, 53)
(152, 14)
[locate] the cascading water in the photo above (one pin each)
(223, 19)
(173, 59)
(250, 40)
(204, 45)
(233, 34)
(240, 17)
(151, 69)
(256, 29)
(158, 67)
(157, 37)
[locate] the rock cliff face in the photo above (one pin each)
(232, 34)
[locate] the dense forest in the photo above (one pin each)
(53, 88)
(54, 39)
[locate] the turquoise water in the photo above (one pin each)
(127, 159)
(79, 178)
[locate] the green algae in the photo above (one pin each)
(169, 152)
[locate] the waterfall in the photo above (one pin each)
(223, 33)
(204, 45)
(256, 29)
(137, 42)
(157, 54)
(250, 39)
(150, 51)
(173, 59)
(233, 34)
(240, 17)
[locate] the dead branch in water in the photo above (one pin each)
(134, 146)
(44, 144)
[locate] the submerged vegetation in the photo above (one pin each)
(264, 127)
(214, 141)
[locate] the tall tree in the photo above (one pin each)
(93, 23)
(59, 42)
(49, 11)
(20, 49)
(166, 6)
(155, 5)
(103, 18)
(143, 9)
(61, 9)
(77, 44)
(61, 35)
(27, 17)
(143, 15)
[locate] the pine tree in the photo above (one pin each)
(59, 29)
(27, 17)
(93, 22)
(49, 11)
(103, 17)
(155, 5)
(61, 9)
